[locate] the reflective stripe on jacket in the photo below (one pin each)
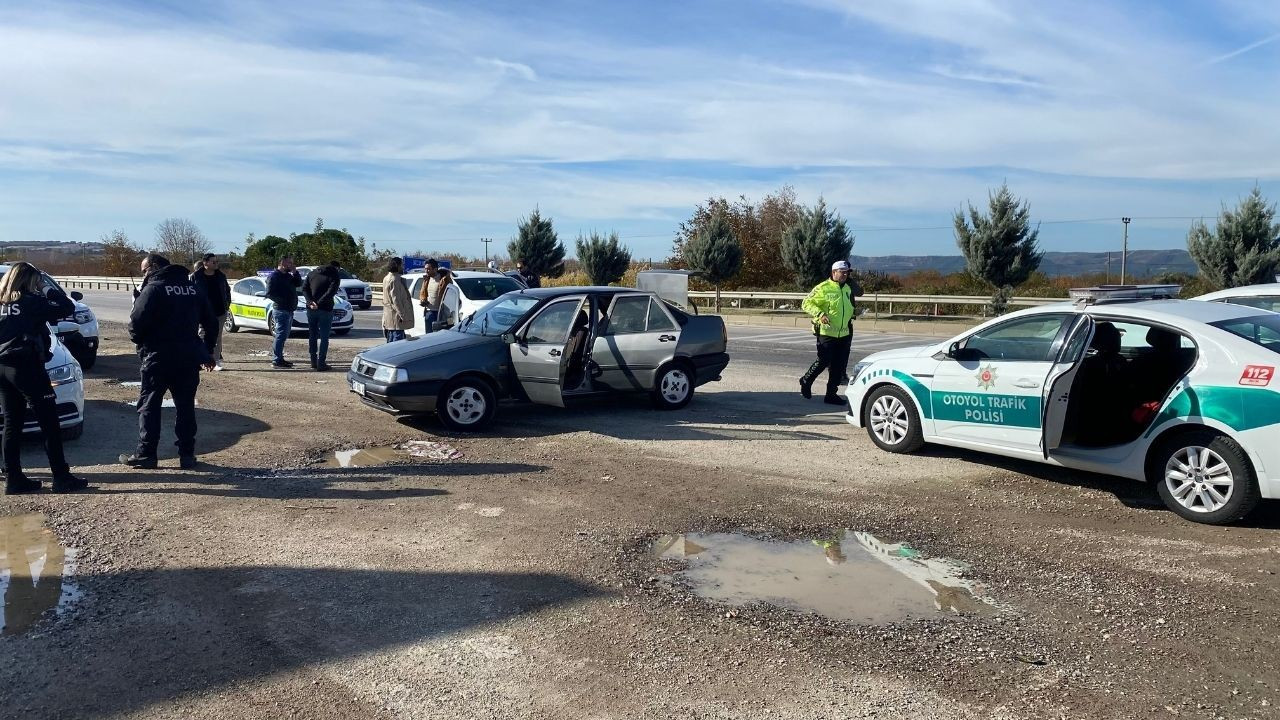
(834, 300)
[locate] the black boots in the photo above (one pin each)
(187, 461)
(65, 482)
(142, 463)
(806, 388)
(19, 484)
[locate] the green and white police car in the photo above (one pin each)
(250, 308)
(1122, 381)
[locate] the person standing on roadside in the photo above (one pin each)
(450, 301)
(429, 295)
(282, 291)
(165, 327)
(531, 280)
(26, 308)
(320, 290)
(217, 291)
(397, 305)
(830, 304)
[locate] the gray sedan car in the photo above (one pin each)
(551, 346)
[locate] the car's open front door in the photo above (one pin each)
(1057, 393)
(540, 356)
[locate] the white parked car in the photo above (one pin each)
(1264, 297)
(1179, 392)
(250, 308)
(475, 290)
(67, 378)
(357, 290)
(85, 346)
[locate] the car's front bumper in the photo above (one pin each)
(414, 396)
(69, 403)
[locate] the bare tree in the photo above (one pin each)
(181, 241)
(119, 256)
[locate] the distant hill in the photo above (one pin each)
(1142, 263)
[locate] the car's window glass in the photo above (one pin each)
(499, 316)
(1075, 348)
(658, 320)
(1134, 341)
(1263, 330)
(487, 288)
(1027, 339)
(248, 286)
(344, 275)
(553, 323)
(414, 283)
(1270, 303)
(48, 282)
(629, 315)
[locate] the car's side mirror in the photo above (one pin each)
(956, 352)
(510, 338)
(260, 293)
(77, 295)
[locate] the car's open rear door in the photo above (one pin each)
(540, 355)
(1057, 386)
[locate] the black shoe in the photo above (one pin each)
(835, 400)
(323, 367)
(314, 364)
(18, 484)
(806, 389)
(281, 364)
(186, 462)
(142, 463)
(66, 482)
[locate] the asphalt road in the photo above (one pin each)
(766, 345)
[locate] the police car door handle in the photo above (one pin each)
(1026, 383)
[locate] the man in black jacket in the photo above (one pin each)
(320, 289)
(282, 291)
(218, 292)
(164, 325)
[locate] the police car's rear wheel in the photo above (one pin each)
(892, 421)
(230, 324)
(1205, 477)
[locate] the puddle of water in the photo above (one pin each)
(850, 576)
(372, 457)
(131, 383)
(34, 572)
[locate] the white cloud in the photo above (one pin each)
(518, 69)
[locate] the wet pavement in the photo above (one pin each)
(34, 572)
(849, 576)
(388, 455)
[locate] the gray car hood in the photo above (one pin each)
(406, 351)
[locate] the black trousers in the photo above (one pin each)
(180, 380)
(19, 385)
(833, 356)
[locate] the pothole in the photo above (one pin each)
(375, 456)
(849, 576)
(35, 572)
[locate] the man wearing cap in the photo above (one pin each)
(830, 304)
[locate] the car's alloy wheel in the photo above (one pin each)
(466, 405)
(230, 323)
(889, 419)
(1204, 476)
(674, 388)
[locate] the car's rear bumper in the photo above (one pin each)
(707, 368)
(405, 397)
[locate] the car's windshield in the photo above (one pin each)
(1263, 330)
(487, 288)
(1262, 302)
(345, 275)
(498, 316)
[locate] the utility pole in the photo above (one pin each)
(1108, 267)
(486, 242)
(1124, 255)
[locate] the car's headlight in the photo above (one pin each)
(64, 374)
(857, 370)
(83, 316)
(386, 374)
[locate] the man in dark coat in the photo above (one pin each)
(320, 290)
(167, 316)
(217, 291)
(282, 291)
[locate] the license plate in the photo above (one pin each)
(357, 388)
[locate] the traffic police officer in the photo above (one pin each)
(164, 324)
(830, 304)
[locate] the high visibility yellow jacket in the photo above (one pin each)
(834, 300)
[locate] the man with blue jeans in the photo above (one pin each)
(282, 291)
(320, 289)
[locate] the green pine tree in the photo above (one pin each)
(538, 246)
(1000, 247)
(817, 239)
(715, 253)
(602, 258)
(1244, 247)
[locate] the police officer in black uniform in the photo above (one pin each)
(26, 307)
(164, 325)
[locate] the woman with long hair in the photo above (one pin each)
(27, 305)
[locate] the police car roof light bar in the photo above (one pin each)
(1120, 293)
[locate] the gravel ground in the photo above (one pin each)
(517, 581)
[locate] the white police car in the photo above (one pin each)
(1179, 392)
(85, 345)
(250, 308)
(67, 379)
(1264, 297)
(357, 290)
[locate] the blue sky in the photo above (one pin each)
(426, 125)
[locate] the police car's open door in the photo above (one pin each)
(1057, 392)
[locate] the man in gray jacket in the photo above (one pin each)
(397, 306)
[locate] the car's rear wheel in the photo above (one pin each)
(892, 421)
(1205, 477)
(467, 404)
(271, 323)
(230, 324)
(673, 386)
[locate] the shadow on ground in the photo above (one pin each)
(156, 637)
